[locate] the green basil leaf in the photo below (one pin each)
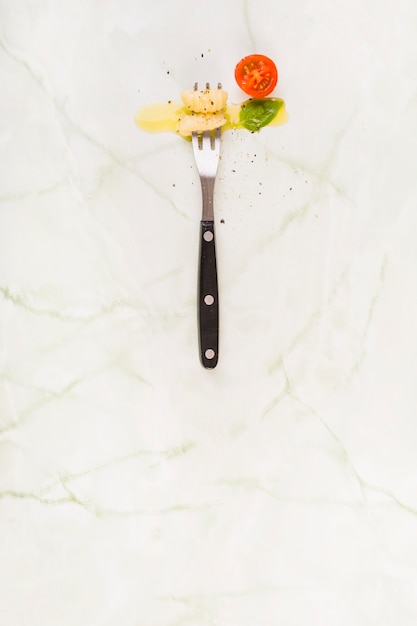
(257, 113)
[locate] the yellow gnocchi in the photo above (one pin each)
(205, 101)
(199, 122)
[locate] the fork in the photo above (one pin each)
(206, 148)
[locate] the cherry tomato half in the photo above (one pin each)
(256, 75)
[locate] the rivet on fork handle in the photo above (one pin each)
(208, 297)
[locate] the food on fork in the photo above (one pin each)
(205, 101)
(199, 122)
(205, 108)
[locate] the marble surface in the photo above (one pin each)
(137, 488)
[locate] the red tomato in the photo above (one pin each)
(256, 75)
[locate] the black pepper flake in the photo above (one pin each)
(221, 221)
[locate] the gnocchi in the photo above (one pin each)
(199, 122)
(205, 101)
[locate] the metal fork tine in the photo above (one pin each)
(206, 145)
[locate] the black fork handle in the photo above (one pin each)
(208, 297)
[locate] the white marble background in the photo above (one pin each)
(137, 488)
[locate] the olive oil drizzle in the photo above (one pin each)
(162, 117)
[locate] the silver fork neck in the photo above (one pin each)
(207, 189)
